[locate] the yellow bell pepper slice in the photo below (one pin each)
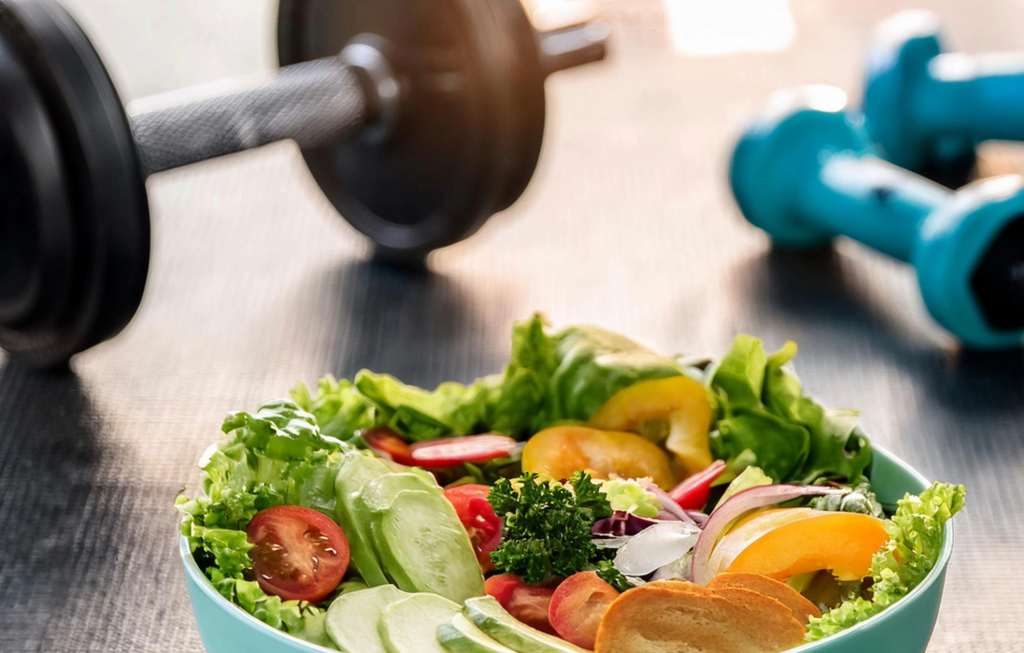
(677, 404)
(560, 451)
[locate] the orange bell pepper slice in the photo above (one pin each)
(843, 543)
(678, 403)
(560, 451)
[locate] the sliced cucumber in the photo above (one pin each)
(462, 636)
(378, 493)
(355, 472)
(410, 625)
(422, 543)
(491, 618)
(352, 618)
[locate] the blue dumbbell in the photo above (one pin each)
(805, 172)
(928, 110)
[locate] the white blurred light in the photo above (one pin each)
(707, 28)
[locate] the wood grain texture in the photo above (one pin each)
(257, 283)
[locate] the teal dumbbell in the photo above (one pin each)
(806, 172)
(928, 110)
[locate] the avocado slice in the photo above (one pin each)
(461, 635)
(352, 618)
(425, 548)
(491, 618)
(355, 471)
(410, 625)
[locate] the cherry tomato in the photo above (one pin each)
(577, 607)
(693, 493)
(527, 603)
(466, 449)
(300, 554)
(477, 515)
(387, 444)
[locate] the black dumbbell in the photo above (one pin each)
(418, 118)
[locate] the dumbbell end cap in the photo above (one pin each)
(899, 54)
(780, 151)
(970, 263)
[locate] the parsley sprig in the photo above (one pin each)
(547, 532)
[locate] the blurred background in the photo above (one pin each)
(629, 223)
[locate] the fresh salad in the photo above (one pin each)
(592, 494)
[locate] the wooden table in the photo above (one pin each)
(256, 283)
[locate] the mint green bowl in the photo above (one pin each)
(904, 628)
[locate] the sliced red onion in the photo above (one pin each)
(656, 547)
(669, 505)
(737, 506)
(698, 517)
(623, 523)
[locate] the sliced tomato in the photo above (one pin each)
(577, 607)
(477, 515)
(527, 603)
(300, 554)
(387, 444)
(693, 493)
(465, 449)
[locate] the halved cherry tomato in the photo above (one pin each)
(465, 449)
(577, 607)
(387, 444)
(693, 493)
(477, 515)
(527, 603)
(300, 554)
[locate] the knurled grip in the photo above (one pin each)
(313, 103)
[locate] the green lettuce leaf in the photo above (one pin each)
(915, 543)
(763, 410)
(750, 477)
(340, 411)
(627, 495)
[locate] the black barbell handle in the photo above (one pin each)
(313, 103)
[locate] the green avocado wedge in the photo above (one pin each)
(491, 618)
(410, 625)
(425, 548)
(462, 636)
(352, 618)
(355, 472)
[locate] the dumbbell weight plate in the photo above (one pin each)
(108, 229)
(471, 122)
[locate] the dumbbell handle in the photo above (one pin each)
(870, 200)
(314, 103)
(979, 96)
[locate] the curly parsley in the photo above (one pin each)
(547, 530)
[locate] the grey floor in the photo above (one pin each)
(256, 283)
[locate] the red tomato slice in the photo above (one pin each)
(300, 554)
(527, 603)
(477, 515)
(577, 607)
(466, 449)
(387, 444)
(693, 493)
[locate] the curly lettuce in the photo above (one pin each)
(762, 410)
(277, 456)
(915, 531)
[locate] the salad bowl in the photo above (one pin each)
(905, 627)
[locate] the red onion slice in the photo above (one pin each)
(737, 506)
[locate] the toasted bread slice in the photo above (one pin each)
(802, 609)
(685, 618)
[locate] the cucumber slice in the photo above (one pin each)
(410, 625)
(491, 618)
(378, 493)
(423, 543)
(462, 636)
(352, 618)
(355, 472)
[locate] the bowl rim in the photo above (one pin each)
(206, 586)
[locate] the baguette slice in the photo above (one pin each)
(802, 609)
(674, 617)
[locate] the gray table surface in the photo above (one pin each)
(257, 283)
